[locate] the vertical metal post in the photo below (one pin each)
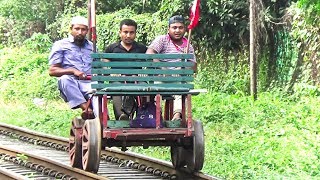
(93, 25)
(158, 110)
(189, 115)
(253, 56)
(89, 21)
(105, 111)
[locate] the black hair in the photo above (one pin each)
(128, 22)
(176, 19)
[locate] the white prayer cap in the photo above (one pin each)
(79, 20)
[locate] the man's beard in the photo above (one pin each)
(79, 40)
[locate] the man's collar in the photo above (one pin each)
(134, 44)
(71, 38)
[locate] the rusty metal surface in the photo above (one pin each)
(145, 133)
(44, 157)
(8, 175)
(114, 163)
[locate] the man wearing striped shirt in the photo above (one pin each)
(173, 42)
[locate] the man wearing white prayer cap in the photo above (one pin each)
(79, 20)
(70, 61)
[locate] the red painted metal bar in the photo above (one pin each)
(100, 108)
(89, 20)
(189, 117)
(93, 25)
(144, 133)
(105, 112)
(170, 109)
(158, 110)
(183, 110)
(166, 110)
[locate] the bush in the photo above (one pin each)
(24, 75)
(149, 26)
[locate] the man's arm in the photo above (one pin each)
(152, 51)
(195, 69)
(109, 49)
(191, 50)
(57, 71)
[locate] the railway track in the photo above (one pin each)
(41, 150)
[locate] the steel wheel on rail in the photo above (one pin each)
(75, 143)
(195, 154)
(177, 157)
(91, 145)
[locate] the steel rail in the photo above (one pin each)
(137, 161)
(51, 164)
(8, 175)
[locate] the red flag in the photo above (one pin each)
(194, 14)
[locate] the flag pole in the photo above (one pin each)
(93, 25)
(89, 21)
(188, 42)
(194, 19)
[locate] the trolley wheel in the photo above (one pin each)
(177, 157)
(75, 146)
(91, 145)
(195, 155)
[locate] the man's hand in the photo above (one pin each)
(81, 75)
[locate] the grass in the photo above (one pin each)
(275, 137)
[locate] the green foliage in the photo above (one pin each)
(164, 8)
(24, 75)
(272, 138)
(313, 5)
(223, 25)
(275, 137)
(52, 117)
(24, 10)
(39, 42)
(21, 18)
(139, 6)
(262, 139)
(22, 157)
(149, 26)
(223, 71)
(11, 32)
(305, 32)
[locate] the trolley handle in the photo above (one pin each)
(85, 77)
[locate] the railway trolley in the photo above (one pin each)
(185, 137)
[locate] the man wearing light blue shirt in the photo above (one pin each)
(70, 61)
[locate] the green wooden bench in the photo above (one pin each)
(141, 76)
(123, 77)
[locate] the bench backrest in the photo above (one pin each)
(133, 72)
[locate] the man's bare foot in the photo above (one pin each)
(87, 114)
(177, 117)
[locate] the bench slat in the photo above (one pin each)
(144, 71)
(140, 56)
(99, 64)
(142, 78)
(100, 86)
(145, 93)
(147, 88)
(177, 81)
